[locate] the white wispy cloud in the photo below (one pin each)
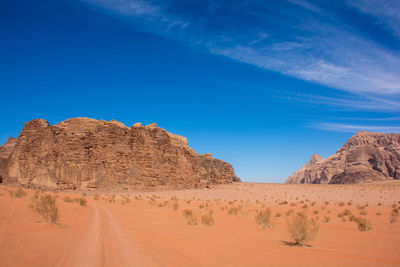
(387, 12)
(312, 45)
(352, 128)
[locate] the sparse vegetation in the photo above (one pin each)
(68, 199)
(263, 218)
(125, 200)
(175, 206)
(393, 215)
(19, 193)
(363, 224)
(46, 207)
(233, 210)
(207, 219)
(327, 219)
(191, 218)
(81, 201)
(301, 229)
(289, 212)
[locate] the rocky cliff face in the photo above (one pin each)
(5, 152)
(82, 153)
(365, 157)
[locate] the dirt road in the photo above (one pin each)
(102, 243)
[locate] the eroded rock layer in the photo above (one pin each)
(84, 153)
(365, 157)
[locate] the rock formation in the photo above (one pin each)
(5, 151)
(364, 157)
(88, 153)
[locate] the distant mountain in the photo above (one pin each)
(364, 157)
(88, 153)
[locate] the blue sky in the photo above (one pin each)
(260, 84)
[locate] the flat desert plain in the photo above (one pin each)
(203, 227)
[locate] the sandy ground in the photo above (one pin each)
(151, 230)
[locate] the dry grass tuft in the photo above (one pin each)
(190, 217)
(301, 229)
(19, 193)
(263, 218)
(175, 206)
(68, 199)
(81, 200)
(363, 224)
(47, 208)
(393, 215)
(207, 219)
(234, 210)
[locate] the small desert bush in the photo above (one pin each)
(233, 210)
(289, 212)
(125, 200)
(263, 218)
(96, 196)
(190, 217)
(327, 219)
(393, 215)
(81, 201)
(363, 224)
(175, 206)
(283, 203)
(19, 193)
(112, 199)
(278, 215)
(363, 212)
(46, 207)
(316, 211)
(301, 229)
(341, 204)
(346, 212)
(68, 199)
(207, 219)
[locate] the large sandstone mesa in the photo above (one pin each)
(88, 153)
(365, 157)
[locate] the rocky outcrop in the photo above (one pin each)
(364, 157)
(88, 153)
(5, 152)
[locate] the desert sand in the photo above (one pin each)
(149, 228)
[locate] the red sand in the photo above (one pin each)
(140, 233)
